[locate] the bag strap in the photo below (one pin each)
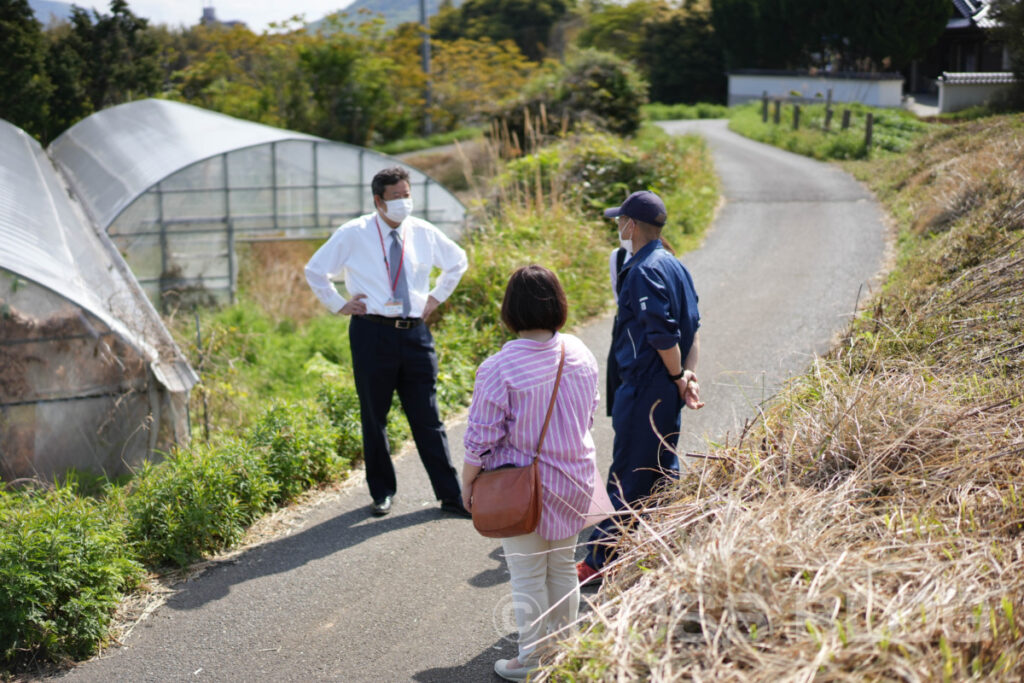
(551, 403)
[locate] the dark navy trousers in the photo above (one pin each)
(386, 360)
(639, 460)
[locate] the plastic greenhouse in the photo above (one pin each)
(89, 376)
(177, 187)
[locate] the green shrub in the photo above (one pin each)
(187, 506)
(591, 171)
(64, 564)
(341, 406)
(299, 446)
(656, 111)
(593, 88)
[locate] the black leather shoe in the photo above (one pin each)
(454, 507)
(381, 507)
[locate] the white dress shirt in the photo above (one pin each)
(355, 251)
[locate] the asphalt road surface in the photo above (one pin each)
(418, 595)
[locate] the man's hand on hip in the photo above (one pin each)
(430, 306)
(354, 306)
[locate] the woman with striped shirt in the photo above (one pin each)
(510, 399)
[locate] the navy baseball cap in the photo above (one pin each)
(643, 206)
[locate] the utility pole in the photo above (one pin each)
(427, 123)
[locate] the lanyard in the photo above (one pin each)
(387, 266)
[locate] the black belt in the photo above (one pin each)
(399, 323)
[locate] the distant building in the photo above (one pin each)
(209, 18)
(966, 46)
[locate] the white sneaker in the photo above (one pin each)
(502, 668)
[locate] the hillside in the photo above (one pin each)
(395, 12)
(867, 524)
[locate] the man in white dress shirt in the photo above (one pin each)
(386, 259)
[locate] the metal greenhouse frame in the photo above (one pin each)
(177, 188)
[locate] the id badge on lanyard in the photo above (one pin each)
(393, 308)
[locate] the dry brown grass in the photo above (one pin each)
(867, 525)
(273, 277)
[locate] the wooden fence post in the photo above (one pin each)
(869, 124)
(778, 111)
(846, 119)
(796, 117)
(828, 119)
(764, 107)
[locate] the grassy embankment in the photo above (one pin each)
(867, 525)
(894, 131)
(277, 394)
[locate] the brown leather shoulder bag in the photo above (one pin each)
(506, 501)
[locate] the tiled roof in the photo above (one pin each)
(980, 77)
(971, 12)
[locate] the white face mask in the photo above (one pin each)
(626, 244)
(398, 209)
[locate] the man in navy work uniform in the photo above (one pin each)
(386, 257)
(655, 344)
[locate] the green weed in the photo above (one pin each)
(64, 565)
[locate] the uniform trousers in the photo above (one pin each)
(639, 460)
(385, 360)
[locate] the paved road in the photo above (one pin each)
(418, 595)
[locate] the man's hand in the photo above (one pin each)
(429, 308)
(354, 306)
(691, 395)
(689, 390)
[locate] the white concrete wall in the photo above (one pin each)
(957, 96)
(875, 93)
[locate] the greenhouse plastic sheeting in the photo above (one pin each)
(116, 154)
(89, 376)
(45, 238)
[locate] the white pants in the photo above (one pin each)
(543, 574)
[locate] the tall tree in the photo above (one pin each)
(682, 57)
(351, 80)
(765, 34)
(673, 45)
(119, 52)
(24, 85)
(848, 34)
(69, 100)
(526, 22)
(879, 34)
(100, 60)
(614, 28)
(1010, 17)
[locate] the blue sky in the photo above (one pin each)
(256, 13)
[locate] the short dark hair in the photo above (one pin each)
(386, 178)
(534, 300)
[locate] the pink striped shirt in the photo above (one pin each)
(510, 399)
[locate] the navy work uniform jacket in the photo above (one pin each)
(657, 308)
